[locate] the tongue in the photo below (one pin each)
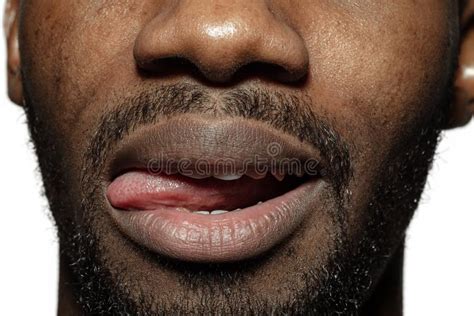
(139, 190)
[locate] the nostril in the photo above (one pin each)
(270, 71)
(181, 66)
(172, 66)
(168, 66)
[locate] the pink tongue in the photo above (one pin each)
(139, 190)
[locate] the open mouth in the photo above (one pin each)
(206, 195)
(209, 214)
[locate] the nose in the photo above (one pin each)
(221, 37)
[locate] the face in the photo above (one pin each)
(118, 94)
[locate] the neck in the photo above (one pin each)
(67, 305)
(386, 298)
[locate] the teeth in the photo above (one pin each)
(215, 212)
(256, 175)
(300, 174)
(260, 202)
(278, 175)
(202, 212)
(182, 209)
(196, 176)
(228, 177)
(170, 172)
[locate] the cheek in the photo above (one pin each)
(378, 78)
(72, 51)
(379, 74)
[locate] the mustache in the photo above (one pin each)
(289, 113)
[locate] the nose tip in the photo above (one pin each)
(219, 40)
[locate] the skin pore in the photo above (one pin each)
(371, 84)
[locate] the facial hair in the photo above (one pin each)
(341, 286)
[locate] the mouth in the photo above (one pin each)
(208, 190)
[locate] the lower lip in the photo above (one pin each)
(232, 236)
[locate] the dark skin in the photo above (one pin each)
(381, 72)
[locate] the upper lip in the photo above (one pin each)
(194, 139)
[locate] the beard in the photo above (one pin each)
(339, 286)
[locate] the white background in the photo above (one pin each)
(439, 276)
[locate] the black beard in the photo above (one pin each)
(350, 273)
